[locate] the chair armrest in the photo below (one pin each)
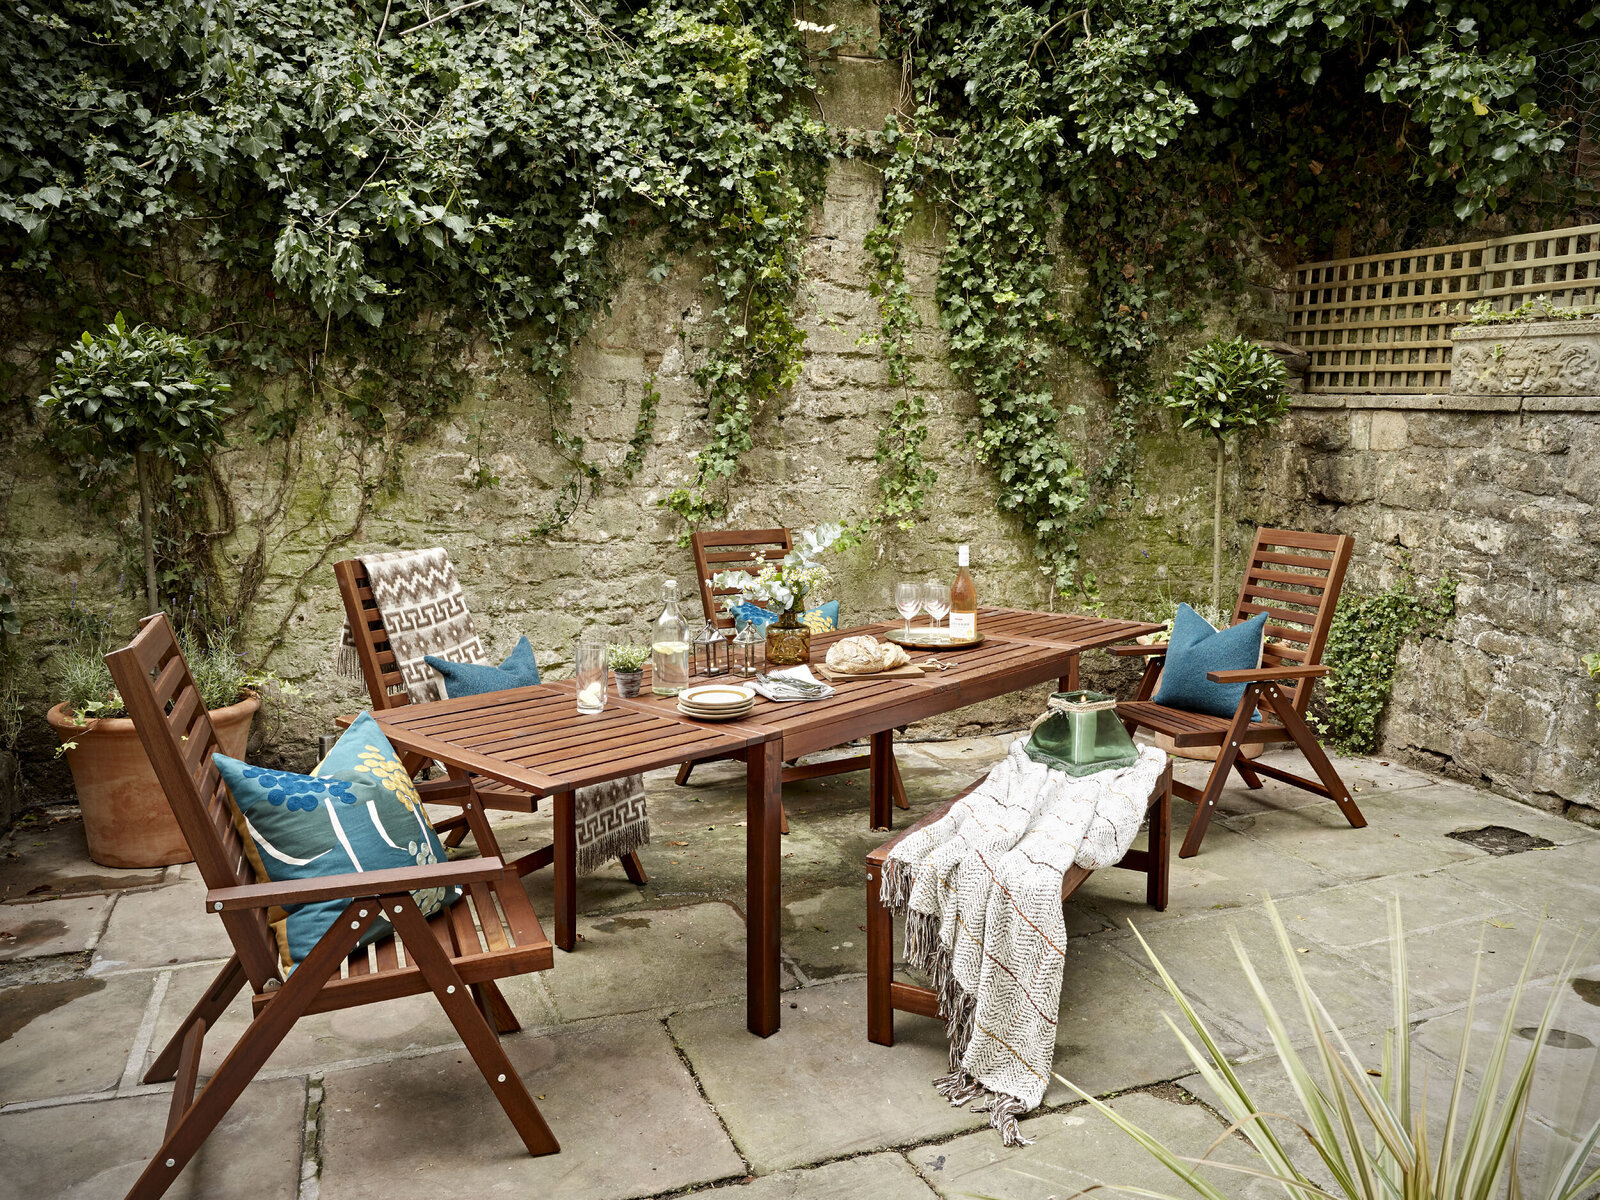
(1266, 674)
(354, 885)
(1137, 651)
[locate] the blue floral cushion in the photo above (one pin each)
(824, 618)
(473, 679)
(1197, 648)
(358, 811)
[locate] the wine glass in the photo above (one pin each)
(908, 602)
(935, 602)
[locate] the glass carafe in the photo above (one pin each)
(669, 650)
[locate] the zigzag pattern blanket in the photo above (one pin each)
(425, 612)
(981, 893)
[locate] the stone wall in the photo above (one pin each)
(1503, 491)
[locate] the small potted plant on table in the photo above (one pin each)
(627, 663)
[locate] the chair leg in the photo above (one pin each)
(253, 1049)
(474, 1031)
(1247, 773)
(880, 962)
(1296, 726)
(457, 835)
(683, 774)
(898, 784)
(1227, 752)
(492, 1004)
(207, 1009)
(783, 818)
(634, 868)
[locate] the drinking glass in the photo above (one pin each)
(589, 659)
(935, 602)
(908, 602)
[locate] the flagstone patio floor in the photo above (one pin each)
(635, 1044)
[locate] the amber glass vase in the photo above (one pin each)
(788, 641)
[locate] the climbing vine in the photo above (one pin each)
(1145, 142)
(1363, 648)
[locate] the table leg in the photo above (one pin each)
(763, 880)
(566, 871)
(1069, 681)
(880, 778)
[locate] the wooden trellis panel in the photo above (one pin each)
(1381, 323)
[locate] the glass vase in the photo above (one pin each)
(788, 641)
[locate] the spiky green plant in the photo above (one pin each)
(1477, 1157)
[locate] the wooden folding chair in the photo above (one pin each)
(387, 689)
(885, 995)
(446, 955)
(736, 549)
(1295, 579)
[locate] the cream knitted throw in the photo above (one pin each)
(981, 892)
(425, 612)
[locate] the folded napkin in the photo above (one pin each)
(790, 684)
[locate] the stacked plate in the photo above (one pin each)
(716, 701)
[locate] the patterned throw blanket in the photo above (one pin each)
(981, 893)
(425, 612)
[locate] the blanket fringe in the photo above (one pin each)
(895, 889)
(1003, 1112)
(613, 844)
(345, 659)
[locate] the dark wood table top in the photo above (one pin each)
(534, 738)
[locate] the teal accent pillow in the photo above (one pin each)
(358, 811)
(473, 679)
(1197, 648)
(824, 618)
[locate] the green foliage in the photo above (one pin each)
(903, 474)
(1370, 1123)
(1536, 308)
(1591, 663)
(626, 658)
(1364, 641)
(1149, 141)
(1230, 387)
(307, 188)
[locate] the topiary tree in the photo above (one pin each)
(135, 396)
(1229, 386)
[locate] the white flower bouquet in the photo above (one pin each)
(785, 584)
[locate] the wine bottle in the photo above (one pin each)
(963, 600)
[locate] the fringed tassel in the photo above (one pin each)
(345, 659)
(923, 951)
(613, 844)
(1003, 1112)
(895, 889)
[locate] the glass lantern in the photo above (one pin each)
(748, 644)
(712, 652)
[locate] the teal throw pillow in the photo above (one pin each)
(473, 679)
(1197, 648)
(358, 811)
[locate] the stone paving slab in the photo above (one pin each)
(96, 1151)
(1200, 955)
(878, 1176)
(1441, 808)
(1080, 1147)
(159, 928)
(1564, 881)
(817, 1089)
(614, 1092)
(1357, 914)
(45, 927)
(68, 1037)
(1394, 841)
(49, 858)
(650, 960)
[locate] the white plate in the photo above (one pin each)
(716, 708)
(722, 714)
(716, 695)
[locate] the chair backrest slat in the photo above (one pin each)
(161, 696)
(386, 686)
(729, 550)
(1295, 578)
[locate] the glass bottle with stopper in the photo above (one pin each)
(963, 600)
(669, 650)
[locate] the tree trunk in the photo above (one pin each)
(147, 532)
(1216, 532)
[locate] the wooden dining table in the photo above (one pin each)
(534, 739)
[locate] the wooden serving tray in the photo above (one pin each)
(923, 642)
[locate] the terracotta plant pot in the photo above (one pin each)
(125, 813)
